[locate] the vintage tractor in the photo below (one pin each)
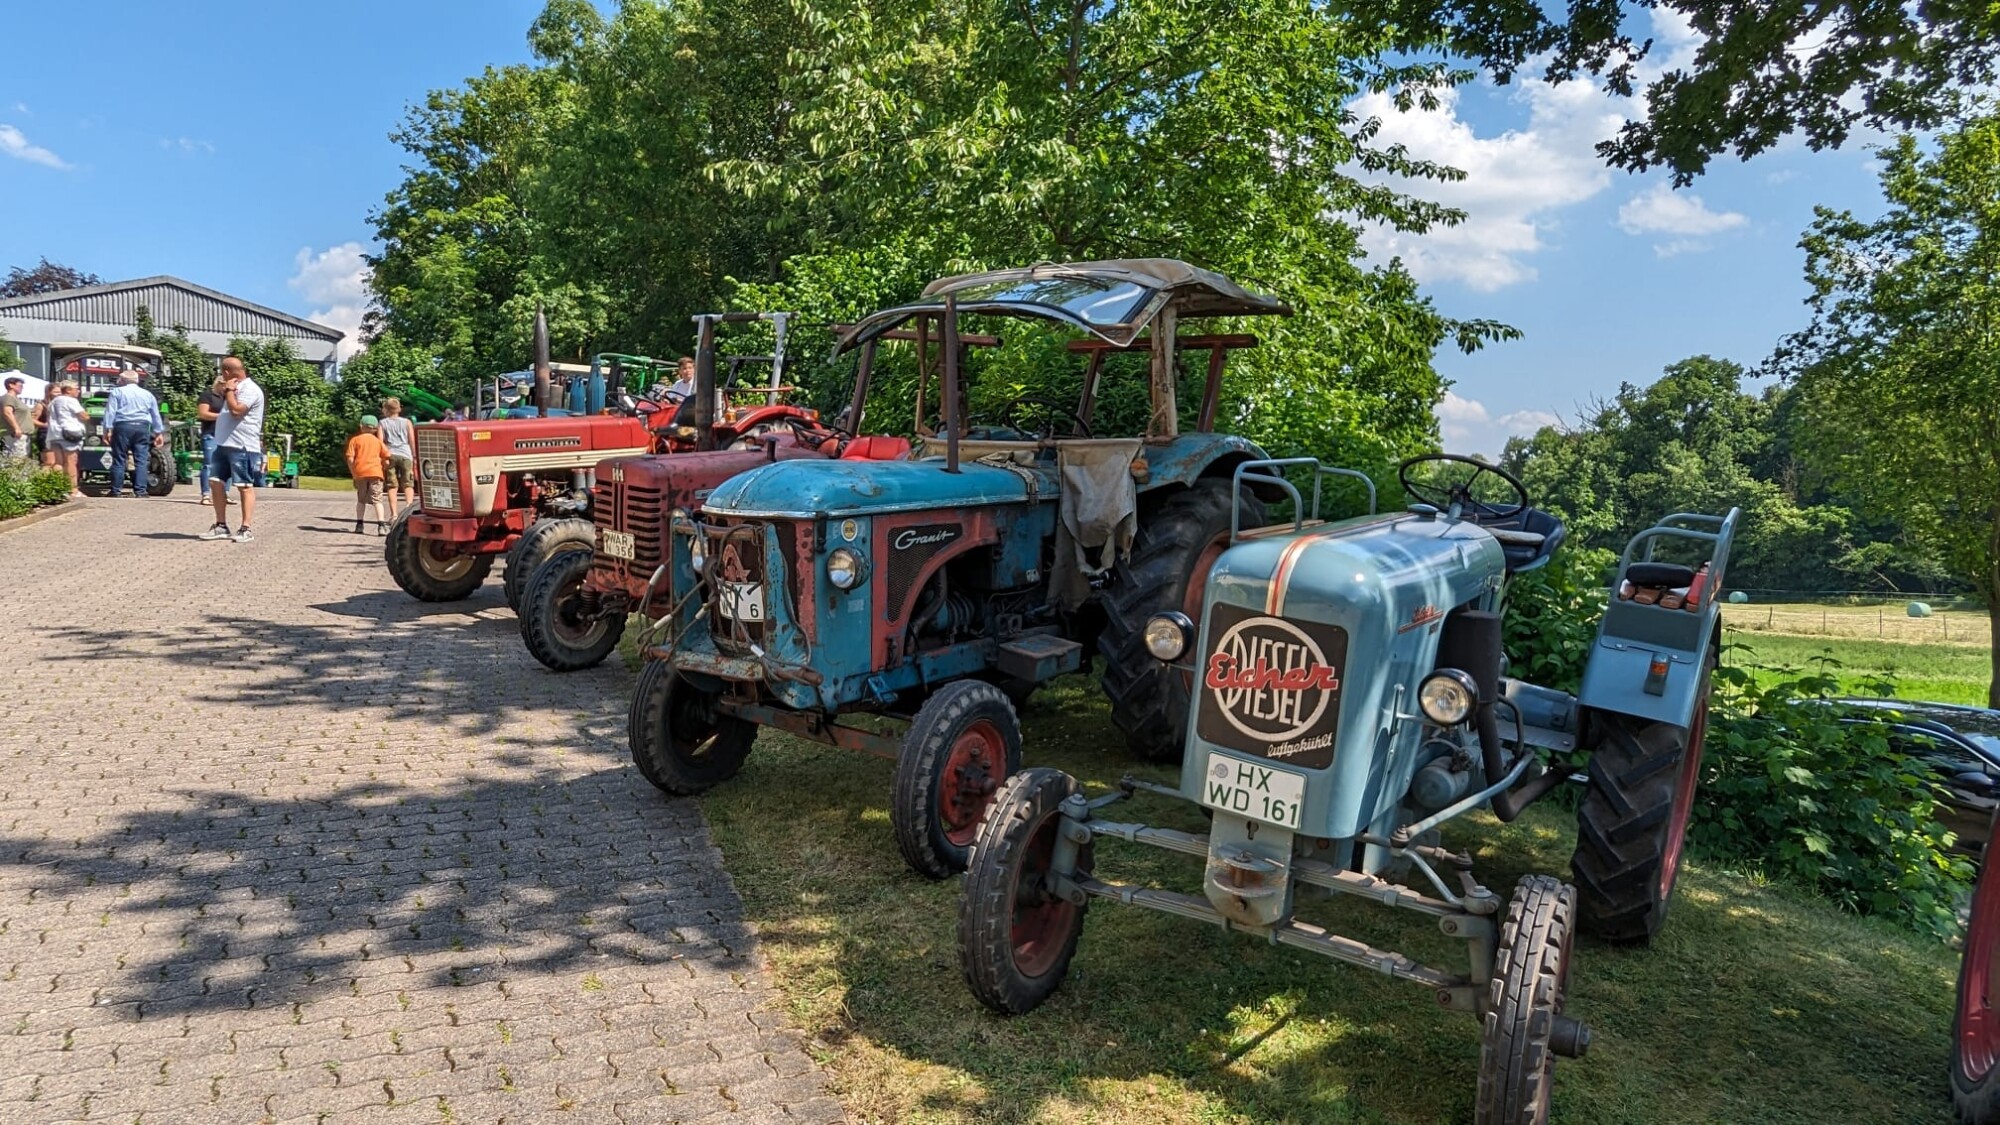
(1353, 700)
(575, 604)
(1975, 1025)
(95, 369)
(519, 487)
(939, 587)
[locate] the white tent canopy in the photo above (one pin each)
(34, 391)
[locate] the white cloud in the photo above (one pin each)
(1518, 182)
(22, 109)
(335, 282)
(14, 144)
(1467, 426)
(186, 145)
(1662, 210)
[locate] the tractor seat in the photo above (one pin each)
(876, 447)
(1527, 540)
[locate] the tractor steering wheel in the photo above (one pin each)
(1455, 497)
(1007, 416)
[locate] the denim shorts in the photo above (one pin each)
(243, 468)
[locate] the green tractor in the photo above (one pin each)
(95, 369)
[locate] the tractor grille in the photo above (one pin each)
(735, 563)
(437, 464)
(910, 549)
(645, 515)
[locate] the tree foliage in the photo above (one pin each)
(44, 277)
(1900, 369)
(1761, 70)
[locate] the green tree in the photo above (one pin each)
(1761, 70)
(10, 360)
(1900, 369)
(189, 369)
(388, 367)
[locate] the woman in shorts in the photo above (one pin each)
(67, 425)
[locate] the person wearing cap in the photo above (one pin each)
(368, 464)
(132, 422)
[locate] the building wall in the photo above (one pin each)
(32, 335)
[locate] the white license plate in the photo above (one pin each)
(1251, 789)
(742, 601)
(619, 545)
(440, 496)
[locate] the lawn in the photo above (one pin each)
(1940, 673)
(1757, 1004)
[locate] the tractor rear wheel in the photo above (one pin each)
(543, 540)
(1015, 934)
(1975, 1026)
(162, 474)
(1524, 1003)
(428, 570)
(680, 741)
(960, 749)
(556, 625)
(1168, 570)
(1632, 822)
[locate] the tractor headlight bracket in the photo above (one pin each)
(1448, 696)
(1168, 636)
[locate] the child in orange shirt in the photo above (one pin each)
(367, 463)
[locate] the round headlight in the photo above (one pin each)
(1447, 696)
(1168, 635)
(844, 569)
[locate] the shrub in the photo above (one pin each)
(1552, 616)
(47, 486)
(1824, 803)
(24, 487)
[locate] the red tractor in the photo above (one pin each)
(520, 487)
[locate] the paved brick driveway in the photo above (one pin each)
(278, 843)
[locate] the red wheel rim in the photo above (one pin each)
(1042, 922)
(1979, 984)
(1684, 786)
(973, 771)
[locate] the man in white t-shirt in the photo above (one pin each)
(238, 458)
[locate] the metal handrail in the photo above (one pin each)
(1724, 537)
(1252, 469)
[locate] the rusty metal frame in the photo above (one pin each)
(818, 728)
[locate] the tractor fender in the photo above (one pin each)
(1178, 462)
(1618, 675)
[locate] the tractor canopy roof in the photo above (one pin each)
(1112, 300)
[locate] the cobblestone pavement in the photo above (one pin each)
(278, 843)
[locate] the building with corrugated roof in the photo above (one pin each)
(108, 314)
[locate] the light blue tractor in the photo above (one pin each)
(1353, 699)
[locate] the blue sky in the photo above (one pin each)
(243, 147)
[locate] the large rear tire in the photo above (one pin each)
(961, 747)
(1975, 1026)
(427, 571)
(679, 741)
(1523, 1001)
(543, 540)
(1016, 937)
(1631, 825)
(1168, 570)
(554, 624)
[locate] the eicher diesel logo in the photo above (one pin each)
(1271, 686)
(934, 535)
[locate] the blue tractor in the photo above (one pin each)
(1353, 699)
(937, 583)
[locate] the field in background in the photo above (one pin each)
(1756, 1004)
(1939, 673)
(1885, 622)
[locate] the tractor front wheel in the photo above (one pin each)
(960, 749)
(557, 626)
(1168, 570)
(1524, 1003)
(1016, 935)
(1975, 1026)
(429, 570)
(680, 740)
(1631, 826)
(543, 540)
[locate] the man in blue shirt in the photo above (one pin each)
(132, 419)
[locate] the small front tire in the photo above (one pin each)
(1015, 935)
(1524, 1001)
(680, 740)
(961, 747)
(427, 570)
(543, 540)
(556, 625)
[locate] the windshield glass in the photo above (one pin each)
(1091, 300)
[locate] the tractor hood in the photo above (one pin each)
(813, 489)
(1305, 639)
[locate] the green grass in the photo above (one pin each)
(1938, 673)
(326, 484)
(1757, 1004)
